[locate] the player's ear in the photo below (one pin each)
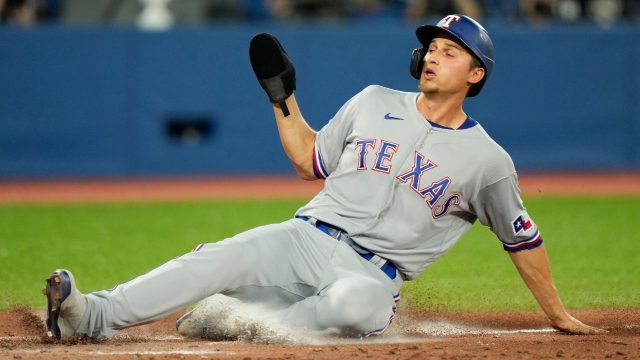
(476, 75)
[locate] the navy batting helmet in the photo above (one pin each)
(469, 32)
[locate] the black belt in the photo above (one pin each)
(385, 265)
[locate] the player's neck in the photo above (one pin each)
(444, 111)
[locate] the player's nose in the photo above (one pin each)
(430, 58)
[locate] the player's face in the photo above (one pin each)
(447, 68)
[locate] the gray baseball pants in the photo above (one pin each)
(312, 280)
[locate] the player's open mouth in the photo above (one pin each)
(429, 74)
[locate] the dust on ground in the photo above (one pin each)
(414, 335)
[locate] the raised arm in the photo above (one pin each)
(297, 138)
(533, 266)
(277, 76)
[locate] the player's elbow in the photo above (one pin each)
(306, 173)
(303, 164)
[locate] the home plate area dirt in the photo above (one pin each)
(413, 335)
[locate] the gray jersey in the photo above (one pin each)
(408, 189)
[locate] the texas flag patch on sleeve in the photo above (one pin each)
(521, 224)
(526, 235)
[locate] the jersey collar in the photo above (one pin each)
(469, 122)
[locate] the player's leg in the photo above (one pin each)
(354, 306)
(358, 299)
(262, 257)
(352, 296)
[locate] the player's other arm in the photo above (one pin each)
(496, 206)
(533, 266)
(297, 137)
(277, 76)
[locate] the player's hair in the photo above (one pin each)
(475, 63)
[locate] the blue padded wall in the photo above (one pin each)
(118, 102)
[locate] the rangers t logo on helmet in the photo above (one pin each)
(446, 22)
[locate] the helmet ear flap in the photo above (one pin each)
(417, 61)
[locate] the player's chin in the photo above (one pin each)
(427, 87)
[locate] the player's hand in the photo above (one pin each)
(573, 326)
(273, 68)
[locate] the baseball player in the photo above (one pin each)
(406, 175)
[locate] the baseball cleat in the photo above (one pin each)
(65, 304)
(182, 325)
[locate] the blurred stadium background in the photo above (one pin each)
(101, 88)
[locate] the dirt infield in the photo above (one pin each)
(507, 335)
(141, 189)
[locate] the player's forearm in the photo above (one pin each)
(298, 139)
(533, 266)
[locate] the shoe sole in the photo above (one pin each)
(53, 292)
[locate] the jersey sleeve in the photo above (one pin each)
(332, 138)
(500, 207)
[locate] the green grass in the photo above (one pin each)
(106, 244)
(592, 243)
(594, 250)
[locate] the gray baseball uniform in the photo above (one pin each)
(406, 188)
(399, 192)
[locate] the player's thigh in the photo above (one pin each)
(282, 254)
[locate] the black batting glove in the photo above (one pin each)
(273, 68)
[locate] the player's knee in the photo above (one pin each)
(359, 308)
